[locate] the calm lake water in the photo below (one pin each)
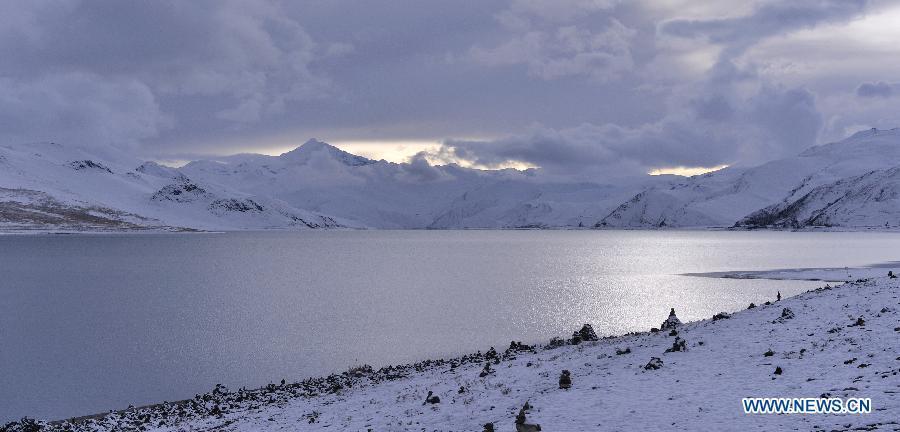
(95, 322)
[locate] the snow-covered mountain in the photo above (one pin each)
(416, 195)
(852, 183)
(847, 184)
(868, 200)
(49, 186)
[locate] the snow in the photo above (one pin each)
(851, 184)
(819, 350)
(842, 274)
(802, 188)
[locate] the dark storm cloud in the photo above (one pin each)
(770, 19)
(106, 64)
(731, 115)
(876, 89)
(772, 123)
(571, 85)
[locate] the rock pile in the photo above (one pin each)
(671, 322)
(521, 425)
(786, 314)
(584, 335)
(565, 380)
(654, 363)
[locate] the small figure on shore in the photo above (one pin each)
(565, 380)
(891, 274)
(671, 322)
(779, 296)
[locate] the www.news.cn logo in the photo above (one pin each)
(807, 405)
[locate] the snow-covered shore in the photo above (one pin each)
(821, 350)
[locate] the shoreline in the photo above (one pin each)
(150, 230)
(606, 384)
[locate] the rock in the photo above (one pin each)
(488, 427)
(486, 370)
(721, 316)
(786, 314)
(587, 333)
(654, 363)
(671, 322)
(555, 342)
(778, 370)
(491, 354)
(627, 350)
(769, 353)
(673, 332)
(860, 322)
(678, 345)
(752, 306)
(515, 347)
(431, 399)
(565, 380)
(524, 427)
(521, 425)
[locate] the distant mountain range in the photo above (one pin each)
(847, 184)
(854, 183)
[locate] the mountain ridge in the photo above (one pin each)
(49, 186)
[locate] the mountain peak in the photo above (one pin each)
(313, 146)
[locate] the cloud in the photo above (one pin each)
(731, 114)
(79, 107)
(613, 85)
(875, 89)
(553, 41)
(769, 19)
(567, 51)
(523, 13)
(237, 61)
(770, 124)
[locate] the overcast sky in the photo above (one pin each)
(568, 85)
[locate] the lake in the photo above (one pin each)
(96, 322)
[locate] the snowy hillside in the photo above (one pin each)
(776, 193)
(868, 200)
(830, 343)
(47, 186)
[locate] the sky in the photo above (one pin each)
(571, 86)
